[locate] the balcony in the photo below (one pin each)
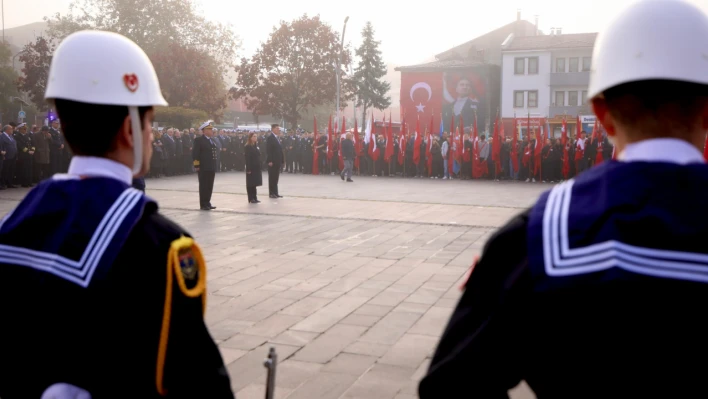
(569, 111)
(570, 79)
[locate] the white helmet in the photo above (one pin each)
(652, 39)
(105, 68)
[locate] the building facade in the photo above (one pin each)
(462, 86)
(546, 77)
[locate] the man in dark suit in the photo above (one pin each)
(8, 149)
(348, 156)
(56, 146)
(274, 159)
(205, 154)
(168, 147)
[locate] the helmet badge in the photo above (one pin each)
(131, 82)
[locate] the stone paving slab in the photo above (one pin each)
(353, 284)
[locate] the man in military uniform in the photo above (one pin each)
(205, 154)
(56, 147)
(600, 289)
(108, 295)
(25, 152)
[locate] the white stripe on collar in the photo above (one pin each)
(661, 150)
(98, 167)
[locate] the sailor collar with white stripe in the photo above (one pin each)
(667, 150)
(98, 167)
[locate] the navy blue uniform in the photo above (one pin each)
(205, 154)
(94, 304)
(598, 291)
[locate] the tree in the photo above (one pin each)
(173, 35)
(190, 78)
(11, 100)
(36, 57)
(8, 82)
(181, 118)
(371, 89)
(292, 71)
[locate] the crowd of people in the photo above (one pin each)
(446, 157)
(29, 155)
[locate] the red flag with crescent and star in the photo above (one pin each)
(421, 93)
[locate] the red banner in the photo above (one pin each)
(450, 95)
(422, 95)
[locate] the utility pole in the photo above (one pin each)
(356, 97)
(339, 63)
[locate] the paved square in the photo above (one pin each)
(353, 283)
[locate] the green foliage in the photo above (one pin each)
(292, 71)
(372, 90)
(36, 58)
(181, 118)
(9, 105)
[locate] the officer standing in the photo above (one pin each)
(600, 289)
(56, 147)
(205, 154)
(274, 159)
(108, 295)
(25, 152)
(8, 150)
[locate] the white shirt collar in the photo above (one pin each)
(98, 167)
(661, 150)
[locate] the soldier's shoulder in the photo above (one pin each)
(156, 229)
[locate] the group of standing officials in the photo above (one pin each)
(205, 155)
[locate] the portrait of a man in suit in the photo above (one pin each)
(465, 102)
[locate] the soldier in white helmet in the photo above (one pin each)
(600, 289)
(103, 295)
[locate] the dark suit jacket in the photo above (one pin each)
(347, 149)
(467, 115)
(274, 151)
(8, 145)
(168, 146)
(204, 154)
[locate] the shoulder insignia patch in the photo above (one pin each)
(185, 260)
(188, 264)
(185, 263)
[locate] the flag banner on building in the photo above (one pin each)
(446, 95)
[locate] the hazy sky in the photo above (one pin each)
(409, 34)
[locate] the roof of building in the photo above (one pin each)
(547, 42)
(477, 51)
(520, 27)
(437, 65)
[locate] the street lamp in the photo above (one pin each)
(339, 63)
(15, 56)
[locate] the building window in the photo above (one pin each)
(560, 65)
(518, 99)
(573, 98)
(587, 62)
(560, 99)
(519, 66)
(533, 99)
(584, 98)
(573, 64)
(533, 65)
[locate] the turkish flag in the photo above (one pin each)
(422, 94)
